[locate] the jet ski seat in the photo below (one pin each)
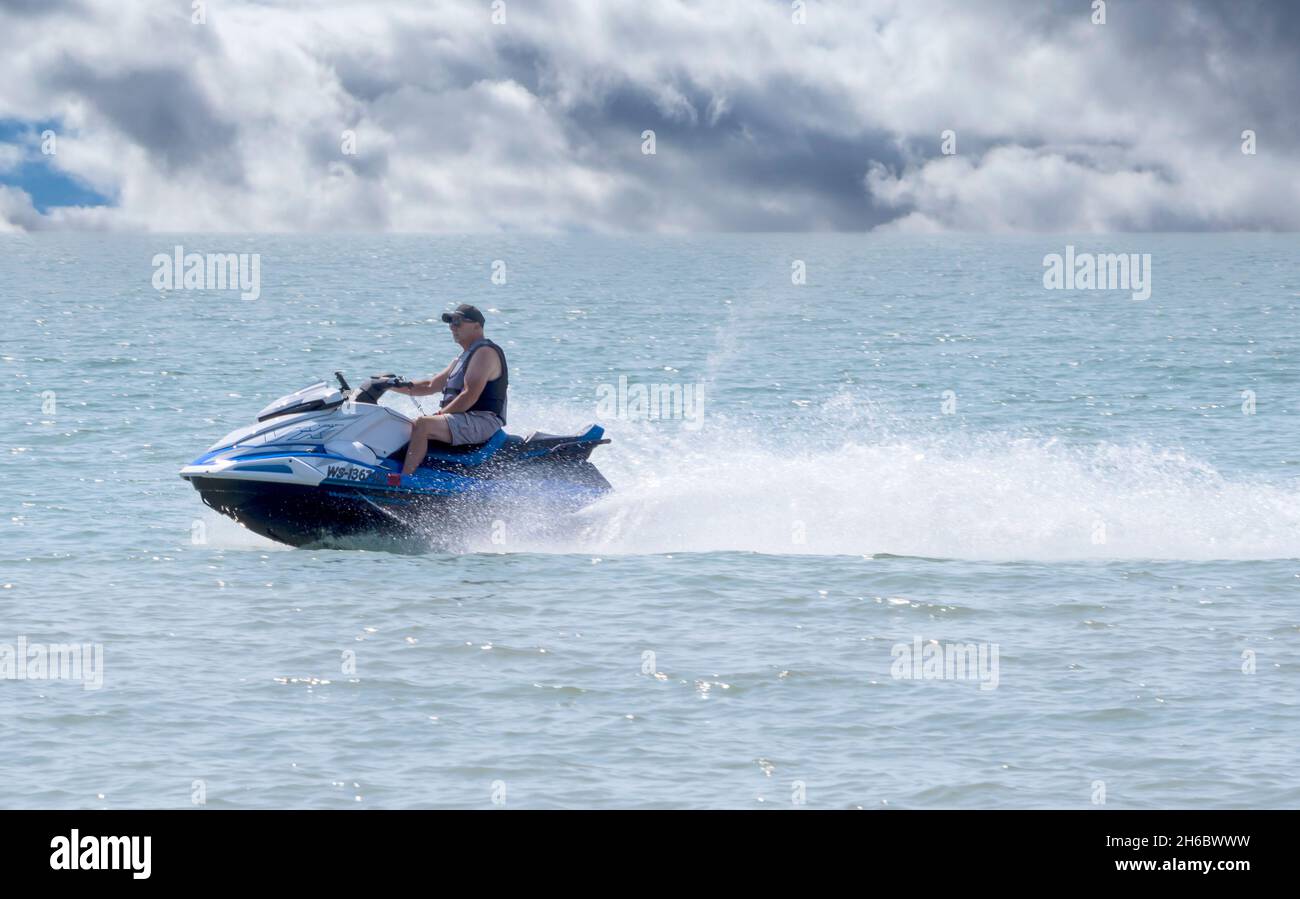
(447, 449)
(535, 440)
(438, 448)
(442, 449)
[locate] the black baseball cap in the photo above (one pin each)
(465, 310)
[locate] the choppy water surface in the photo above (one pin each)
(721, 631)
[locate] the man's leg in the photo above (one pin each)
(426, 427)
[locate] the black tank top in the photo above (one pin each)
(493, 397)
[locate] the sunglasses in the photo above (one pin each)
(457, 321)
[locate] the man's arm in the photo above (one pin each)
(429, 385)
(483, 367)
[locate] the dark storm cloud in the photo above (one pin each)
(323, 149)
(38, 7)
(1245, 56)
(747, 151)
(163, 111)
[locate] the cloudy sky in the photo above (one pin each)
(534, 124)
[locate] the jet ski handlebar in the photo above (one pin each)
(375, 386)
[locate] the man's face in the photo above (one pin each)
(461, 327)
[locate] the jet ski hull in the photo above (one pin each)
(304, 516)
(337, 514)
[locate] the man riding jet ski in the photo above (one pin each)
(326, 464)
(473, 389)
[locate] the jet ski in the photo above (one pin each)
(322, 466)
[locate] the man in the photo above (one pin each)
(473, 389)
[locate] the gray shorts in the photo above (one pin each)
(472, 427)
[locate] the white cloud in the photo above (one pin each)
(11, 157)
(1019, 189)
(535, 125)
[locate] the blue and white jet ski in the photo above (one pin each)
(323, 465)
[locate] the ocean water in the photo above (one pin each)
(918, 447)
